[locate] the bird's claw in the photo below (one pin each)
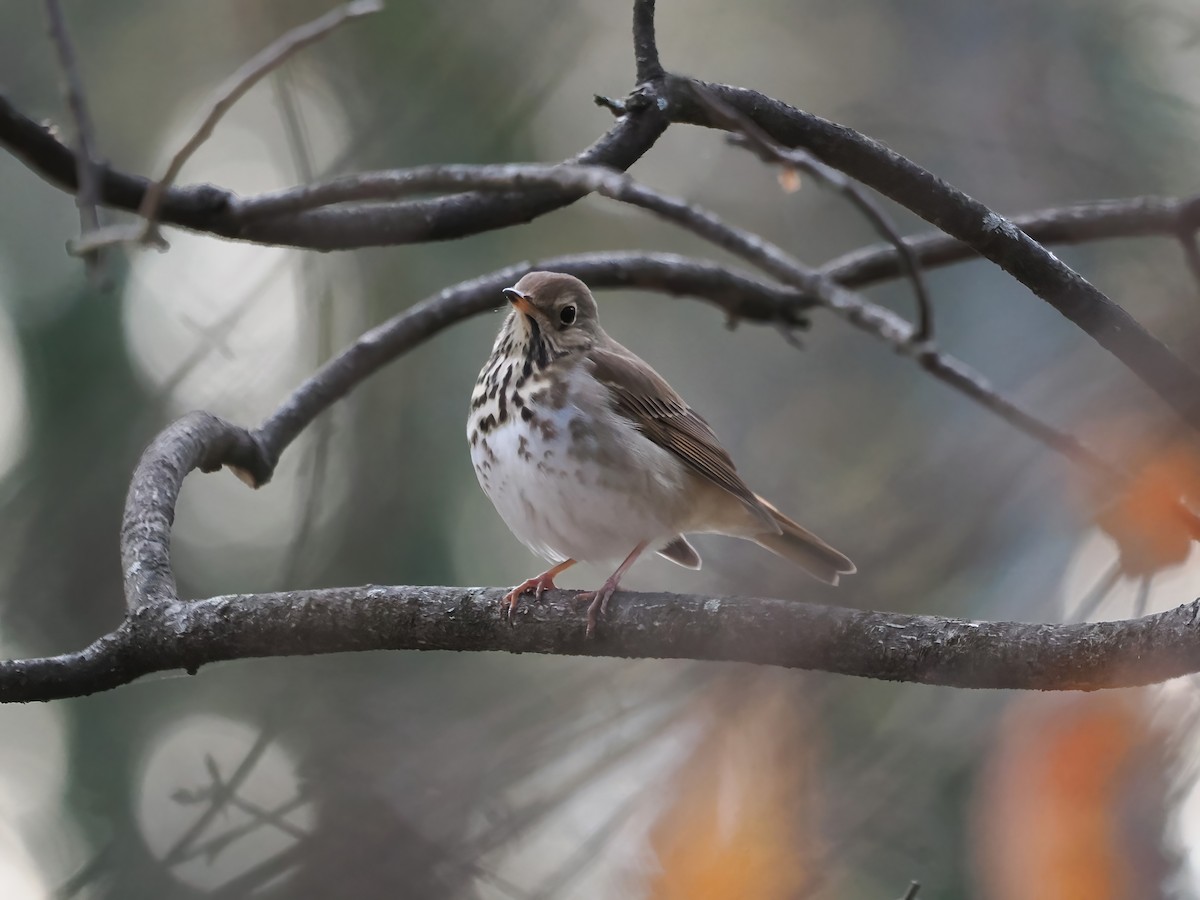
(539, 585)
(598, 606)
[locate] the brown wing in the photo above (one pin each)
(643, 396)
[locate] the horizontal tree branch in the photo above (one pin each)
(1080, 223)
(889, 646)
(207, 208)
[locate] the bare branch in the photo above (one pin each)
(645, 50)
(761, 144)
(162, 633)
(254, 70)
(889, 646)
(86, 195)
(866, 316)
(197, 441)
(1147, 216)
(988, 234)
(206, 208)
(738, 295)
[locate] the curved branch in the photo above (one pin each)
(197, 441)
(988, 234)
(207, 208)
(740, 296)
(889, 646)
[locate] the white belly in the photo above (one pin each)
(561, 500)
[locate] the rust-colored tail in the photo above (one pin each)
(805, 549)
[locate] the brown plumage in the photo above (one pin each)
(589, 455)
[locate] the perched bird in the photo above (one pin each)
(590, 456)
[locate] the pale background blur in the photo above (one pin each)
(489, 776)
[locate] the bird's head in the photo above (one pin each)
(555, 308)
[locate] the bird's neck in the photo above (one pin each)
(523, 342)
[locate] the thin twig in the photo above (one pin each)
(315, 285)
(1100, 590)
(218, 798)
(911, 893)
(261, 64)
(770, 151)
(1143, 595)
(87, 193)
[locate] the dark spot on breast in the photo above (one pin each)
(526, 413)
(517, 400)
(549, 432)
(523, 449)
(486, 424)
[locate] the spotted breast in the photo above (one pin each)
(570, 477)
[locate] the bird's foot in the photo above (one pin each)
(598, 605)
(539, 584)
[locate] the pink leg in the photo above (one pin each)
(539, 584)
(600, 598)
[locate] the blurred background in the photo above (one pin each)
(491, 776)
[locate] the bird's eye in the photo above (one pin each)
(566, 315)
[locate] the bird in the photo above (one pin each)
(588, 455)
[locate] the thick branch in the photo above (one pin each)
(206, 207)
(197, 441)
(889, 646)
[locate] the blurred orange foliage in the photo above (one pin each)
(1146, 519)
(1071, 802)
(740, 821)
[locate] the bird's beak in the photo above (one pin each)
(518, 300)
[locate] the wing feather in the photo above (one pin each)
(644, 397)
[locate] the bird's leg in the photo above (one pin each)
(539, 584)
(600, 598)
